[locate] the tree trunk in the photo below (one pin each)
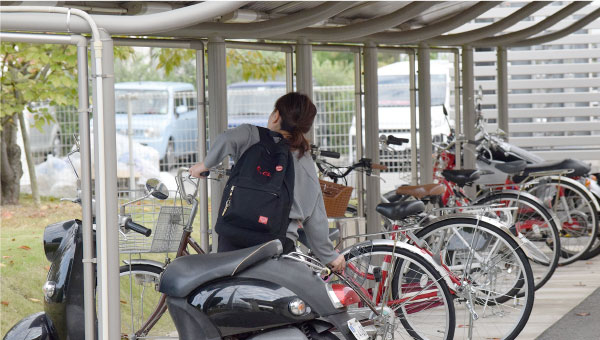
(30, 165)
(10, 164)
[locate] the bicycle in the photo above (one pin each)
(454, 253)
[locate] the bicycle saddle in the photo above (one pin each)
(187, 273)
(420, 191)
(399, 210)
(511, 168)
(461, 177)
(579, 168)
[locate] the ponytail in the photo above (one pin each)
(297, 113)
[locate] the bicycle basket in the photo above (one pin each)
(166, 220)
(335, 197)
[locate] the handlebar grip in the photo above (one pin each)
(330, 154)
(138, 228)
(396, 141)
(378, 166)
(205, 173)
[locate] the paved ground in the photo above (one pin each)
(556, 305)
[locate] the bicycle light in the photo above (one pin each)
(49, 289)
(297, 307)
(341, 295)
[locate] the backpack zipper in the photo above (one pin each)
(228, 202)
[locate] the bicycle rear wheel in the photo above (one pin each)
(577, 214)
(492, 270)
(421, 299)
(536, 224)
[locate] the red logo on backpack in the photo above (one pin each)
(279, 168)
(263, 220)
(263, 173)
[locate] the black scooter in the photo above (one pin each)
(252, 294)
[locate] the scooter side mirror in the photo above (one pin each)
(157, 189)
(444, 110)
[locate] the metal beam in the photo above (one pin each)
(562, 33)
(358, 126)
(201, 121)
(469, 119)
(364, 28)
(217, 114)
(457, 115)
(430, 31)
(502, 92)
(371, 135)
(266, 28)
(116, 24)
(304, 74)
(488, 31)
(425, 139)
(509, 38)
(107, 239)
(414, 159)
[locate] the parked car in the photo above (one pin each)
(47, 140)
(163, 116)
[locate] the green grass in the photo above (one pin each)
(23, 271)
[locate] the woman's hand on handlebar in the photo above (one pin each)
(199, 170)
(338, 264)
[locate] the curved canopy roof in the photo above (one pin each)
(438, 23)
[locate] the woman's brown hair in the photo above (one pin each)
(297, 113)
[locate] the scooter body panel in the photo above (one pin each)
(64, 308)
(241, 305)
(33, 327)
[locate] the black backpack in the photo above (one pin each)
(257, 199)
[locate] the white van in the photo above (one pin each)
(394, 113)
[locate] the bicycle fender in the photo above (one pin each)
(558, 179)
(145, 261)
(412, 249)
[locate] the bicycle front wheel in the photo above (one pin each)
(140, 299)
(420, 299)
(536, 224)
(496, 291)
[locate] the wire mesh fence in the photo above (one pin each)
(157, 124)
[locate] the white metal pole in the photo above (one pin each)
(130, 141)
(425, 138)
(217, 111)
(289, 71)
(201, 121)
(457, 116)
(502, 94)
(468, 81)
(414, 160)
(107, 238)
(371, 135)
(359, 124)
(304, 75)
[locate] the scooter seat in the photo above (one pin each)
(420, 191)
(187, 273)
(579, 168)
(399, 210)
(461, 177)
(511, 168)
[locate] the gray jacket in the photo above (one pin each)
(308, 209)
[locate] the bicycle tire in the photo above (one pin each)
(545, 233)
(410, 326)
(595, 248)
(144, 277)
(574, 245)
(490, 326)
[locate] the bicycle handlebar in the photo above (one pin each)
(138, 228)
(391, 140)
(329, 154)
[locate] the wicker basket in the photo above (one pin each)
(336, 198)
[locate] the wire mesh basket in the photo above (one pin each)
(167, 219)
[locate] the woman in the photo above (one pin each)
(292, 117)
